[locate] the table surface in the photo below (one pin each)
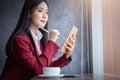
(79, 77)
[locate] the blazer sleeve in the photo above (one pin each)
(61, 62)
(50, 50)
(25, 58)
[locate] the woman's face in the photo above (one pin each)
(39, 16)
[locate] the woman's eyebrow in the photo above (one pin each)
(42, 8)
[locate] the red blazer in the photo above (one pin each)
(24, 62)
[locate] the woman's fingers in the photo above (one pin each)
(68, 51)
(68, 48)
(54, 35)
(70, 45)
(72, 40)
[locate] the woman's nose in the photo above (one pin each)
(44, 16)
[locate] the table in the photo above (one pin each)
(81, 77)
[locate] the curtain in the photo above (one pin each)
(63, 15)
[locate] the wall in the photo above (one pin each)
(111, 33)
(9, 13)
(63, 14)
(63, 17)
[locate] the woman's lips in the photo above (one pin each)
(43, 21)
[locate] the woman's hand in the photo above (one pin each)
(54, 35)
(70, 46)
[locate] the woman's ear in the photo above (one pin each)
(29, 15)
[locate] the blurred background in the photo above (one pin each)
(97, 46)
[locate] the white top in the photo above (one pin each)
(37, 39)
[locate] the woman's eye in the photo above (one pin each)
(46, 12)
(40, 10)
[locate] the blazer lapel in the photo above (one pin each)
(33, 43)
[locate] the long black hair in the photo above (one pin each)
(23, 23)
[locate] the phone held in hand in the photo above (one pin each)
(73, 31)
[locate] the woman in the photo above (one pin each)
(28, 49)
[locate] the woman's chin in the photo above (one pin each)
(41, 26)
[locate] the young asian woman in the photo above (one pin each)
(29, 49)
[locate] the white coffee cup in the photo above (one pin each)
(51, 71)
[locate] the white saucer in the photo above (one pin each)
(48, 76)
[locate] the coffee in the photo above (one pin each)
(51, 71)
